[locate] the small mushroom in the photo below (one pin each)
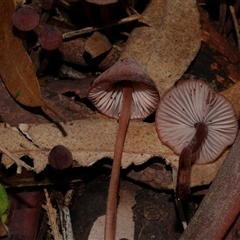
(48, 4)
(50, 38)
(197, 123)
(104, 6)
(60, 157)
(25, 18)
(124, 91)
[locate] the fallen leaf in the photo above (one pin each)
(125, 223)
(93, 139)
(166, 46)
(16, 68)
(232, 94)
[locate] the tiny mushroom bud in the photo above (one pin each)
(104, 8)
(50, 38)
(126, 92)
(25, 18)
(60, 157)
(197, 123)
(48, 4)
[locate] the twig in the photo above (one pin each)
(235, 24)
(228, 24)
(222, 15)
(82, 31)
(18, 161)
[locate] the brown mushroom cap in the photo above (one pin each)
(107, 90)
(50, 38)
(102, 2)
(188, 103)
(25, 18)
(60, 157)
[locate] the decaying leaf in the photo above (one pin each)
(93, 139)
(125, 223)
(16, 68)
(166, 47)
(232, 94)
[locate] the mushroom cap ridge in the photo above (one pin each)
(190, 102)
(107, 90)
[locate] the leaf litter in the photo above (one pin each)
(167, 41)
(169, 49)
(90, 140)
(16, 68)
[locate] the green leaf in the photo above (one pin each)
(4, 202)
(4, 206)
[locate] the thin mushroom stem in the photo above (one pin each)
(111, 211)
(186, 160)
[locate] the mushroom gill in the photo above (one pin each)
(126, 92)
(179, 113)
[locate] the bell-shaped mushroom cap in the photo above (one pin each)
(50, 38)
(60, 157)
(102, 2)
(188, 103)
(107, 90)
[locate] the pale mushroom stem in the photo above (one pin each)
(186, 160)
(111, 211)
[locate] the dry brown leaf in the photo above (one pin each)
(166, 47)
(92, 139)
(16, 68)
(232, 94)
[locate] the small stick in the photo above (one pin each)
(82, 31)
(235, 24)
(222, 15)
(18, 161)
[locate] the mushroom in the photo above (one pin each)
(123, 91)
(104, 8)
(47, 9)
(60, 157)
(197, 123)
(25, 18)
(50, 38)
